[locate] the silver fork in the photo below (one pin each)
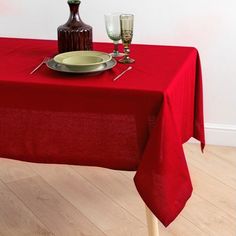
(41, 63)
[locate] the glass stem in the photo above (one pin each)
(115, 51)
(126, 51)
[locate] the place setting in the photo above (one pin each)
(82, 62)
(81, 59)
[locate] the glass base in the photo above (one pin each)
(117, 54)
(126, 60)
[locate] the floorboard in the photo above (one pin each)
(63, 200)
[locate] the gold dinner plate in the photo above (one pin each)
(83, 59)
(52, 64)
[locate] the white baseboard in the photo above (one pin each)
(220, 134)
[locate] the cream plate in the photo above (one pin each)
(80, 70)
(85, 59)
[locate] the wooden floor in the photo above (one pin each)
(61, 200)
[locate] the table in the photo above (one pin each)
(138, 122)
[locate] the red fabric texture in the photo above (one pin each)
(138, 122)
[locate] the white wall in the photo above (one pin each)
(208, 25)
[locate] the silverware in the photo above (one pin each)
(118, 76)
(41, 63)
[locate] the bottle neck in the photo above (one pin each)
(74, 11)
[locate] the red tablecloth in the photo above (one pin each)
(137, 123)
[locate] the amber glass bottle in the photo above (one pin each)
(74, 34)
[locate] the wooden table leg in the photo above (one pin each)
(152, 223)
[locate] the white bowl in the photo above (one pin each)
(83, 59)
